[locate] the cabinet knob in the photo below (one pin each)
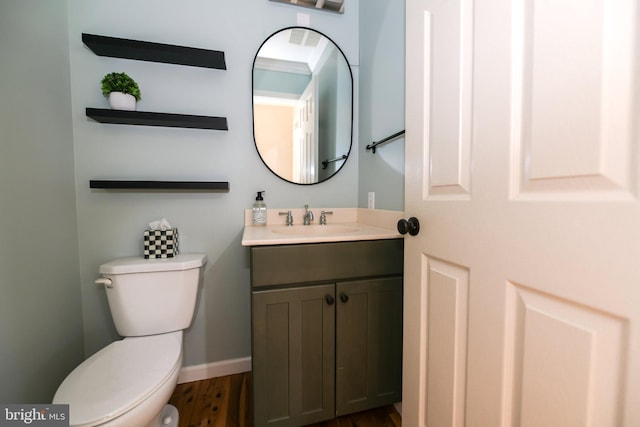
(344, 297)
(329, 299)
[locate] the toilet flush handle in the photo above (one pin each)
(104, 281)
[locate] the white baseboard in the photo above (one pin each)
(214, 369)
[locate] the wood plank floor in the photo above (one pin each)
(226, 402)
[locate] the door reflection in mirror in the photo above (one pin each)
(302, 105)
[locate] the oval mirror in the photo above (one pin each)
(302, 105)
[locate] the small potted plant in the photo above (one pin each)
(123, 92)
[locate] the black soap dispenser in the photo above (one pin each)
(260, 210)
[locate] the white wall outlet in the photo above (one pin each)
(371, 200)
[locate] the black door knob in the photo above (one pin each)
(411, 226)
(344, 297)
(329, 299)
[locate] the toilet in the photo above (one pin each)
(129, 382)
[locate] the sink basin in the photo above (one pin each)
(316, 230)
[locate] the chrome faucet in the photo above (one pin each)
(308, 216)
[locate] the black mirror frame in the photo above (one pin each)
(253, 105)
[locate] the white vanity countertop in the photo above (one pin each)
(344, 225)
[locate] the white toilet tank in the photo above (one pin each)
(153, 296)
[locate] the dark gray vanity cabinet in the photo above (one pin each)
(368, 344)
(326, 329)
(292, 356)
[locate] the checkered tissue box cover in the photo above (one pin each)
(160, 243)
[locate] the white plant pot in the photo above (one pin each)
(122, 101)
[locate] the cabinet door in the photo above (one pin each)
(368, 344)
(293, 338)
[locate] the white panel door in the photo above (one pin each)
(305, 149)
(522, 290)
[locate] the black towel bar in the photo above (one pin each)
(325, 163)
(373, 145)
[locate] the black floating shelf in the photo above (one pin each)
(160, 185)
(156, 52)
(146, 118)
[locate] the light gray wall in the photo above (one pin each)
(382, 76)
(110, 224)
(41, 337)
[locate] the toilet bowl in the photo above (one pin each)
(126, 383)
(129, 382)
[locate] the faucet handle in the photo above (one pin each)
(289, 217)
(323, 217)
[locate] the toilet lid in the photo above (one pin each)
(142, 265)
(119, 376)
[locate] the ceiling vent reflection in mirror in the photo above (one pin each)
(328, 5)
